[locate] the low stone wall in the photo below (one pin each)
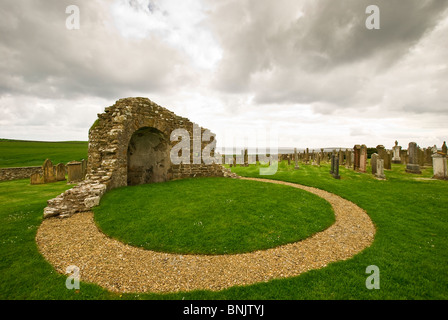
(8, 174)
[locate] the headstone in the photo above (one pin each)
(413, 155)
(37, 178)
(381, 151)
(296, 159)
(74, 170)
(396, 153)
(363, 159)
(421, 156)
(318, 159)
(380, 169)
(336, 168)
(428, 156)
(289, 160)
(439, 166)
(332, 163)
(404, 157)
(60, 172)
(341, 157)
(373, 163)
(48, 171)
(357, 157)
(444, 149)
(348, 158)
(388, 160)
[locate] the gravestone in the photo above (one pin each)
(363, 158)
(413, 156)
(296, 159)
(336, 167)
(428, 155)
(60, 172)
(404, 157)
(396, 150)
(373, 163)
(444, 148)
(439, 166)
(388, 160)
(341, 157)
(48, 171)
(421, 156)
(37, 178)
(348, 158)
(380, 169)
(74, 170)
(332, 164)
(289, 160)
(318, 159)
(356, 157)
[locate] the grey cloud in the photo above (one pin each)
(40, 57)
(325, 57)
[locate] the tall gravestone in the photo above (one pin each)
(413, 157)
(388, 160)
(380, 170)
(74, 171)
(341, 157)
(428, 156)
(404, 157)
(332, 164)
(396, 150)
(363, 158)
(60, 172)
(357, 157)
(348, 158)
(336, 167)
(444, 148)
(296, 159)
(421, 156)
(48, 171)
(373, 163)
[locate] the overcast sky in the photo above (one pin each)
(309, 69)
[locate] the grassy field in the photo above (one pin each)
(18, 153)
(211, 215)
(410, 247)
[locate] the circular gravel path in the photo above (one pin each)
(122, 268)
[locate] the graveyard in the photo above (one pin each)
(224, 152)
(232, 218)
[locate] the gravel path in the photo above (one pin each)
(122, 268)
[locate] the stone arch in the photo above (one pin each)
(148, 157)
(145, 127)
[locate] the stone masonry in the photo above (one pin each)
(8, 174)
(130, 144)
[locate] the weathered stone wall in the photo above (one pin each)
(130, 144)
(8, 174)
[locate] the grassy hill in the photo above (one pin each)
(19, 153)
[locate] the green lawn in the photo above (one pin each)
(211, 215)
(18, 153)
(410, 247)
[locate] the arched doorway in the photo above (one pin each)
(148, 157)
